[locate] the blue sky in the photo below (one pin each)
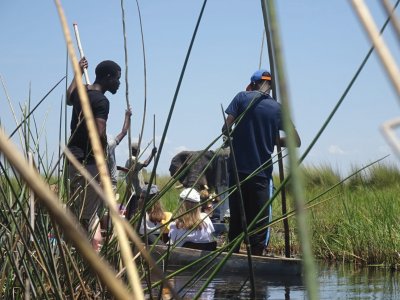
(323, 45)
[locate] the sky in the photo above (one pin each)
(323, 44)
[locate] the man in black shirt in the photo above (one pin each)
(85, 202)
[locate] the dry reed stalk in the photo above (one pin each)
(126, 80)
(144, 76)
(64, 218)
(390, 12)
(129, 229)
(388, 62)
(126, 252)
(384, 54)
(12, 109)
(388, 129)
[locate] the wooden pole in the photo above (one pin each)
(278, 145)
(154, 142)
(242, 211)
(78, 41)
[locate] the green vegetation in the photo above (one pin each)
(51, 258)
(356, 221)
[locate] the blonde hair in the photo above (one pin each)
(156, 213)
(189, 216)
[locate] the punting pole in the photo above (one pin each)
(154, 130)
(78, 41)
(278, 145)
(241, 206)
(271, 193)
(154, 142)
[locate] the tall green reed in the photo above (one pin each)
(44, 272)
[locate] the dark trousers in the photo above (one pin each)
(85, 202)
(255, 193)
(132, 206)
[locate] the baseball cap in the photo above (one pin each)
(190, 194)
(261, 75)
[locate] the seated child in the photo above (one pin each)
(206, 203)
(192, 228)
(155, 216)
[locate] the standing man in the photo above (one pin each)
(254, 136)
(134, 168)
(112, 143)
(85, 202)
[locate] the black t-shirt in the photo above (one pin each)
(79, 143)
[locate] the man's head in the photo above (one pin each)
(260, 80)
(108, 74)
(135, 149)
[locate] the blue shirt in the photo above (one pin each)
(254, 136)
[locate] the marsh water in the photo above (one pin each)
(335, 282)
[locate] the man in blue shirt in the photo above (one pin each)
(258, 120)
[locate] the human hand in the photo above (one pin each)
(154, 151)
(128, 112)
(225, 141)
(83, 64)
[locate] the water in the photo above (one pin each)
(335, 282)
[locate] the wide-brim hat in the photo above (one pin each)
(190, 194)
(153, 189)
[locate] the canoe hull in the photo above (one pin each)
(237, 264)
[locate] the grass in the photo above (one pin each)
(356, 222)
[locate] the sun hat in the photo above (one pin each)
(261, 75)
(153, 189)
(190, 194)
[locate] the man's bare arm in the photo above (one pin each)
(148, 160)
(283, 140)
(101, 126)
(229, 121)
(125, 127)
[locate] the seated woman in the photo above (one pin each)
(155, 217)
(192, 228)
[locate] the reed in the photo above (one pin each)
(356, 222)
(352, 219)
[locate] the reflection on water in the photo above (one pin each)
(335, 282)
(346, 282)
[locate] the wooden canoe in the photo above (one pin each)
(266, 266)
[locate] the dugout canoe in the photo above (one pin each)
(237, 264)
